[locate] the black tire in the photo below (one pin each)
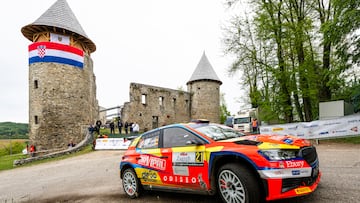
(131, 184)
(237, 184)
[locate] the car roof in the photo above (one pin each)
(192, 125)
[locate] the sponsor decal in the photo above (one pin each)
(188, 158)
(302, 190)
(288, 141)
(295, 172)
(354, 129)
(294, 164)
(149, 176)
(181, 170)
(333, 123)
(293, 128)
(310, 126)
(339, 131)
(277, 129)
(112, 143)
(201, 181)
(324, 133)
(152, 162)
(180, 179)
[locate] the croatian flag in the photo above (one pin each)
(56, 53)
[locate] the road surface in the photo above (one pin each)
(94, 177)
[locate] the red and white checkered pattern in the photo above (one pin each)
(41, 51)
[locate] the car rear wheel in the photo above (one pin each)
(236, 184)
(131, 183)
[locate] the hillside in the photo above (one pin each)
(15, 130)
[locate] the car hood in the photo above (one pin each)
(270, 140)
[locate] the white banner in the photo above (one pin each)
(112, 143)
(347, 126)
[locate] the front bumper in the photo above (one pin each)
(291, 187)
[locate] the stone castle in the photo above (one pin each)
(62, 87)
(153, 107)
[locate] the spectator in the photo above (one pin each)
(32, 150)
(120, 124)
(126, 125)
(71, 144)
(91, 129)
(131, 127)
(254, 125)
(112, 127)
(98, 126)
(135, 127)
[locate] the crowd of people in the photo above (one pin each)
(126, 128)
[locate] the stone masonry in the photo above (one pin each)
(62, 94)
(63, 102)
(153, 107)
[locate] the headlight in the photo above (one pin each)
(278, 154)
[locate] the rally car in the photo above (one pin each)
(206, 158)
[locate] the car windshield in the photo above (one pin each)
(219, 132)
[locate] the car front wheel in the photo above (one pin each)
(131, 183)
(236, 184)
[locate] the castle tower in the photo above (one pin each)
(62, 89)
(204, 87)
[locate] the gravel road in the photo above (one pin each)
(94, 177)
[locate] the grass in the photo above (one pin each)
(6, 162)
(347, 140)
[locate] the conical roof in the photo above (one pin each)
(204, 71)
(58, 17)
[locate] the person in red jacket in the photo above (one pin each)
(32, 150)
(254, 125)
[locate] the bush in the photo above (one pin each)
(16, 148)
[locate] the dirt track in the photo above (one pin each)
(94, 177)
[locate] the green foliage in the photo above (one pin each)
(15, 130)
(343, 30)
(15, 148)
(224, 113)
(294, 54)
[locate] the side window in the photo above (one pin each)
(178, 137)
(150, 140)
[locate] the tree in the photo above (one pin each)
(224, 113)
(285, 52)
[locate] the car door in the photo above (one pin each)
(149, 159)
(184, 153)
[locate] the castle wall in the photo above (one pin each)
(205, 101)
(62, 100)
(162, 106)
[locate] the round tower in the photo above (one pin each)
(204, 87)
(62, 89)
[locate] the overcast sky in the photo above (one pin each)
(154, 42)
